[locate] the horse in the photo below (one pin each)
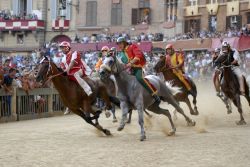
(111, 87)
(230, 85)
(72, 94)
(132, 95)
(182, 96)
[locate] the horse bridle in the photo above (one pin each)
(49, 78)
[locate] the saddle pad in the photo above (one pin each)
(152, 86)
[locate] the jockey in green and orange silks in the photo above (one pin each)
(133, 57)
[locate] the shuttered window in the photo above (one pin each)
(116, 13)
(91, 13)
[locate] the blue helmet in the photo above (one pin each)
(121, 39)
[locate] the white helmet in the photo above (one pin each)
(225, 44)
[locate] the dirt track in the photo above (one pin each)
(216, 141)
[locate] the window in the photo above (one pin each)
(144, 4)
(20, 38)
(212, 22)
(233, 22)
(140, 16)
(192, 26)
(171, 10)
(60, 9)
(211, 1)
(248, 18)
(91, 13)
(116, 12)
(22, 7)
(192, 2)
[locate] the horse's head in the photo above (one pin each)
(160, 65)
(43, 70)
(109, 66)
(221, 60)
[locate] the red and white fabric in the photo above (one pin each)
(21, 25)
(60, 24)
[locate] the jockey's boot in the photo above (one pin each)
(157, 99)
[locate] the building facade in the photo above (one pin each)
(130, 16)
(215, 15)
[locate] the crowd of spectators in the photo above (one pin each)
(106, 37)
(8, 15)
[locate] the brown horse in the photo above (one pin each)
(73, 95)
(161, 66)
(230, 85)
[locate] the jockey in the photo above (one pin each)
(103, 54)
(72, 64)
(176, 61)
(234, 58)
(216, 76)
(132, 56)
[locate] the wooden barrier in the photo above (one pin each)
(40, 103)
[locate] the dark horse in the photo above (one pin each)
(161, 66)
(230, 85)
(73, 95)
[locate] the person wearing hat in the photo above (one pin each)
(176, 61)
(234, 59)
(133, 57)
(72, 64)
(104, 52)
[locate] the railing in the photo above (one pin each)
(42, 102)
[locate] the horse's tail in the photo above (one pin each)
(173, 89)
(193, 87)
(247, 84)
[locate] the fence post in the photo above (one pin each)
(50, 102)
(13, 104)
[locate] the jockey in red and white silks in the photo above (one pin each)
(73, 65)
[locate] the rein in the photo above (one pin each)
(51, 76)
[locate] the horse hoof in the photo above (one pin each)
(142, 138)
(191, 123)
(128, 121)
(107, 132)
(171, 133)
(114, 120)
(229, 111)
(120, 128)
(241, 122)
(108, 114)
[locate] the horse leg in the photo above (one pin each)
(195, 106)
(113, 112)
(227, 102)
(237, 103)
(170, 99)
(125, 109)
(190, 107)
(141, 121)
(104, 95)
(129, 116)
(88, 119)
(156, 109)
(149, 115)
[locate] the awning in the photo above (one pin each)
(83, 47)
(234, 42)
(17, 49)
(108, 44)
(216, 43)
(244, 43)
(145, 46)
(186, 45)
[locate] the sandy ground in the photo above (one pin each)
(216, 141)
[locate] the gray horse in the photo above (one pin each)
(133, 95)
